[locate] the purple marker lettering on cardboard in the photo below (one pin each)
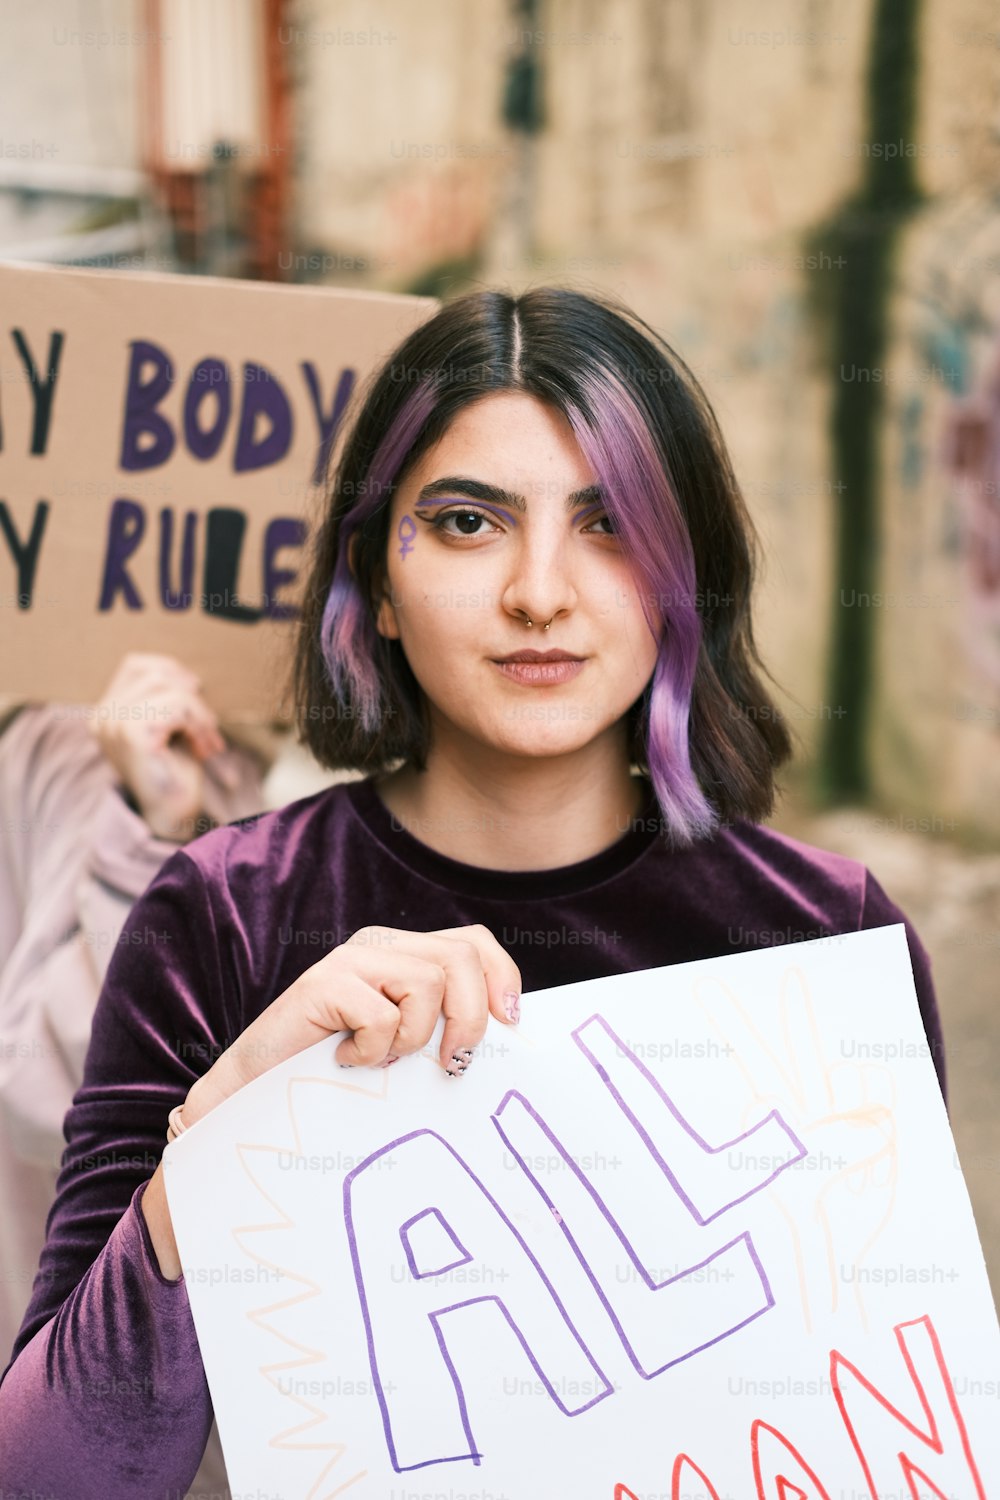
(689, 1315)
(406, 536)
(426, 1418)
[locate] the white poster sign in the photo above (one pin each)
(692, 1233)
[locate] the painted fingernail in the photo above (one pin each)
(388, 1062)
(459, 1062)
(512, 1006)
(345, 1065)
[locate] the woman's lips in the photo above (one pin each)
(541, 673)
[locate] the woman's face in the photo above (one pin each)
(488, 530)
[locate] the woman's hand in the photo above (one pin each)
(385, 985)
(156, 730)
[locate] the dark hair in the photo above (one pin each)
(704, 730)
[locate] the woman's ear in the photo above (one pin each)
(385, 615)
(381, 596)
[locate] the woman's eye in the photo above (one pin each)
(466, 522)
(603, 520)
(475, 523)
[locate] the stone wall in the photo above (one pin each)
(694, 156)
(691, 156)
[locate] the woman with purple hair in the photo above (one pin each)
(528, 623)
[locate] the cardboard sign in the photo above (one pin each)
(694, 1232)
(163, 447)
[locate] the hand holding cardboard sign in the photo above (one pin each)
(387, 987)
(156, 730)
(388, 1279)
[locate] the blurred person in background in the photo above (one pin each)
(93, 800)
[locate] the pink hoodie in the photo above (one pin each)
(73, 859)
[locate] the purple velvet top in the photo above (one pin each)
(107, 1396)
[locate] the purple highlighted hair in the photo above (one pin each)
(704, 730)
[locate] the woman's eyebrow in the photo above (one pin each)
(476, 489)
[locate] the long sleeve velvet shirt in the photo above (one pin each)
(106, 1396)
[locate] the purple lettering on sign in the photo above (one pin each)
(676, 1148)
(210, 377)
(697, 1304)
(264, 401)
(328, 425)
(126, 526)
(283, 531)
(424, 1411)
(147, 437)
(183, 597)
(425, 1242)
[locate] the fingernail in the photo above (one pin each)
(459, 1062)
(345, 1065)
(512, 1006)
(388, 1062)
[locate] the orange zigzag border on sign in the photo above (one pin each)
(258, 1315)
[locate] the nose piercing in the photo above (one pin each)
(529, 623)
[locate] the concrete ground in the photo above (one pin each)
(952, 897)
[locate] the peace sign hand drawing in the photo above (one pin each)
(844, 1113)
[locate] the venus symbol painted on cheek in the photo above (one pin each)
(406, 536)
